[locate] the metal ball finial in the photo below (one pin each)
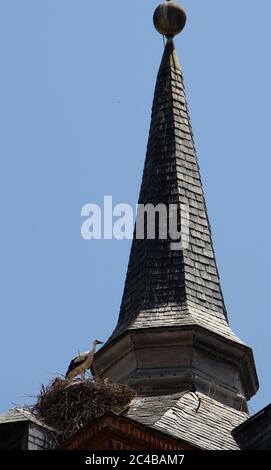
(169, 18)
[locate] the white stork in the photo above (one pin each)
(82, 362)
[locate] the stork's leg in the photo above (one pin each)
(96, 374)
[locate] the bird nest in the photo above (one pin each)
(68, 406)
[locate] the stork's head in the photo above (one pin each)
(97, 341)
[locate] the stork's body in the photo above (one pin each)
(81, 363)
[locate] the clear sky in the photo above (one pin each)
(76, 87)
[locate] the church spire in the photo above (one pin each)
(173, 329)
(165, 286)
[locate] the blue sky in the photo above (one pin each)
(76, 87)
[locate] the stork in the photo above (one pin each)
(82, 362)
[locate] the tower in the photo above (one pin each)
(173, 342)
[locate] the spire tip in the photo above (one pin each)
(169, 18)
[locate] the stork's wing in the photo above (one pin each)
(80, 358)
(76, 362)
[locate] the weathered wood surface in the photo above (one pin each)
(194, 418)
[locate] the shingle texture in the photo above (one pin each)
(191, 417)
(166, 287)
(20, 430)
(15, 415)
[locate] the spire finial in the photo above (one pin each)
(169, 18)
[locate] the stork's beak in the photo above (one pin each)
(99, 342)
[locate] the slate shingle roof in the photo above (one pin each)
(255, 433)
(192, 417)
(165, 287)
(12, 416)
(16, 415)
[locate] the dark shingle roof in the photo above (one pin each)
(165, 287)
(12, 416)
(192, 417)
(16, 415)
(255, 433)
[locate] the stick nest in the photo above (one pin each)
(68, 406)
